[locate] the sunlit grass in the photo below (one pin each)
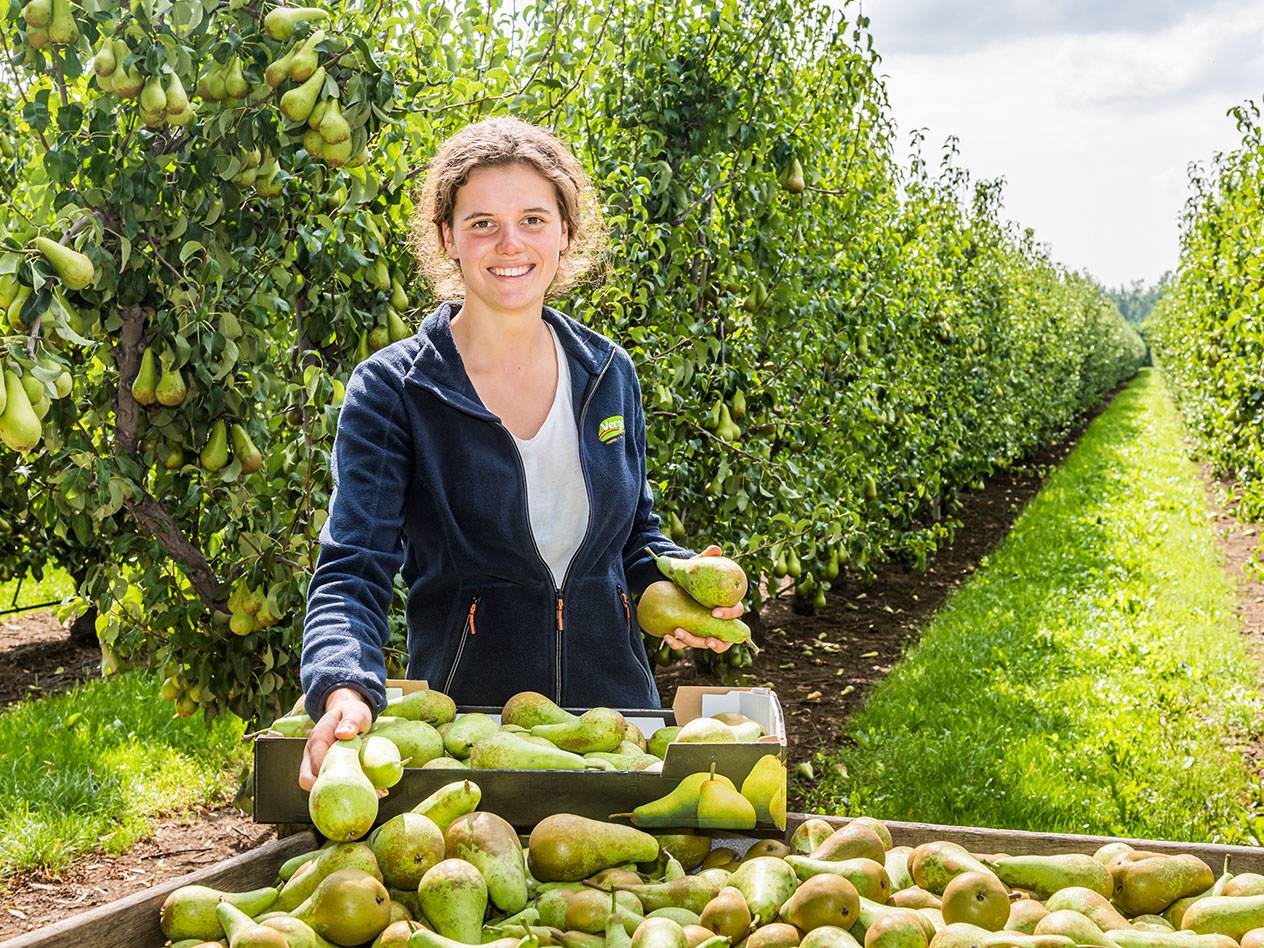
(1091, 677)
(55, 585)
(90, 768)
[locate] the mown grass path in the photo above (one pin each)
(1090, 678)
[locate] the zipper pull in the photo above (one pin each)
(560, 626)
(627, 611)
(473, 609)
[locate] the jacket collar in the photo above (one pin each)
(438, 366)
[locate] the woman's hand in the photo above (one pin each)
(681, 639)
(346, 715)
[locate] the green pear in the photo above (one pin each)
(406, 847)
(399, 298)
(294, 863)
(177, 97)
(822, 900)
(297, 934)
(1232, 915)
(688, 892)
(333, 127)
(211, 86)
(424, 704)
(380, 761)
(1153, 923)
(170, 390)
(278, 70)
(852, 841)
(235, 84)
(566, 848)
(665, 607)
(467, 730)
(896, 864)
(280, 22)
(705, 731)
(304, 60)
(343, 802)
(711, 580)
(20, 427)
(1073, 925)
(679, 807)
(152, 97)
(809, 834)
(760, 786)
(659, 933)
(333, 858)
(871, 913)
(765, 883)
(1148, 886)
(189, 911)
(146, 381)
(105, 62)
(395, 935)
(38, 13)
(297, 104)
(1138, 938)
(721, 806)
(1089, 903)
(599, 729)
(348, 907)
(417, 741)
(453, 898)
(74, 269)
(244, 450)
(657, 744)
(776, 935)
(868, 877)
(215, 455)
(1024, 915)
(491, 845)
(895, 931)
(62, 29)
(727, 914)
(794, 180)
(829, 936)
(449, 802)
(127, 80)
(505, 750)
(395, 326)
(245, 932)
(1045, 875)
(933, 865)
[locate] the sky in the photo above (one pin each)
(1092, 110)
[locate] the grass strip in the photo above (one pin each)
(1089, 678)
(55, 585)
(90, 768)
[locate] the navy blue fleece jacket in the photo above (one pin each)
(427, 479)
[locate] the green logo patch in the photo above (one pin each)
(610, 429)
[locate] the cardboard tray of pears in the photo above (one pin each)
(524, 797)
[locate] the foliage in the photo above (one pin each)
(1136, 300)
(1089, 678)
(826, 357)
(1208, 329)
(92, 781)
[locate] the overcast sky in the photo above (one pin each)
(1090, 109)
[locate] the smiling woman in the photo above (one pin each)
(498, 457)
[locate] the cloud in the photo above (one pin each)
(935, 26)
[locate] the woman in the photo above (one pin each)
(498, 456)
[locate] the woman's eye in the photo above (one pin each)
(537, 219)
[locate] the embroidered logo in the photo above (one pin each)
(610, 429)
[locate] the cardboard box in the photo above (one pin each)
(524, 797)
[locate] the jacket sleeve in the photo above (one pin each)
(361, 545)
(638, 565)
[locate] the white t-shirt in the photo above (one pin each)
(557, 500)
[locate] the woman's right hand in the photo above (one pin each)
(347, 714)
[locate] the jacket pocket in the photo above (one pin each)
(467, 632)
(635, 638)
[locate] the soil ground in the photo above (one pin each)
(821, 666)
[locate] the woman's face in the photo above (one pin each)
(508, 235)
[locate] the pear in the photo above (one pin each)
(399, 299)
(235, 84)
(380, 761)
(152, 97)
(852, 841)
(914, 898)
(304, 60)
(127, 80)
(766, 883)
(1045, 875)
(211, 86)
(530, 708)
(665, 607)
(280, 22)
(466, 730)
(215, 455)
(326, 861)
(297, 104)
(38, 13)
(453, 898)
(417, 741)
(278, 70)
(721, 806)
(809, 834)
(679, 807)
(657, 744)
(688, 848)
(880, 828)
(74, 269)
(776, 935)
(1089, 903)
(395, 935)
(1245, 883)
(490, 844)
(822, 900)
(318, 113)
(727, 914)
(933, 865)
(896, 865)
(794, 180)
(245, 932)
(348, 907)
(507, 751)
(424, 704)
(62, 29)
(705, 731)
(105, 61)
(767, 847)
(343, 803)
(1024, 914)
(688, 892)
(449, 802)
(1106, 854)
(978, 898)
(829, 936)
(177, 98)
(146, 380)
(36, 38)
(566, 848)
(14, 310)
(1136, 938)
(245, 451)
(170, 390)
(1148, 886)
(868, 877)
(659, 933)
(1073, 925)
(762, 785)
(1232, 915)
(599, 729)
(297, 934)
(1152, 923)
(189, 911)
(20, 427)
(407, 846)
(710, 580)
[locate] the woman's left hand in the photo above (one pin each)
(682, 639)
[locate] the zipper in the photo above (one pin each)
(627, 615)
(467, 633)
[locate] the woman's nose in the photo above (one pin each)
(510, 238)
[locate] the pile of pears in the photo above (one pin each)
(684, 600)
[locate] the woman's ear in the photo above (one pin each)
(566, 238)
(449, 244)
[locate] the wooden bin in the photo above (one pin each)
(132, 922)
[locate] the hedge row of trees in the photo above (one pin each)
(1208, 329)
(830, 343)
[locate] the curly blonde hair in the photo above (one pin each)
(493, 142)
